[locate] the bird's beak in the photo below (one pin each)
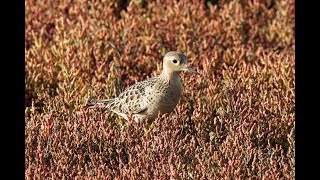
(189, 69)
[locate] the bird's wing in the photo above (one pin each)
(133, 99)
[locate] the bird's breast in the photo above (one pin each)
(172, 94)
(163, 97)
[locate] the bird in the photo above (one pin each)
(146, 99)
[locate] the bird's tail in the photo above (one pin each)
(103, 103)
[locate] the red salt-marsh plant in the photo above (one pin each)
(235, 121)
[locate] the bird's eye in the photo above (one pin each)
(175, 61)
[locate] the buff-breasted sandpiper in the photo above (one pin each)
(148, 98)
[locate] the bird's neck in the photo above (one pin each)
(168, 76)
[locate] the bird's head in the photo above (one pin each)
(176, 62)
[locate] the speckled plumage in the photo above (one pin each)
(147, 98)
